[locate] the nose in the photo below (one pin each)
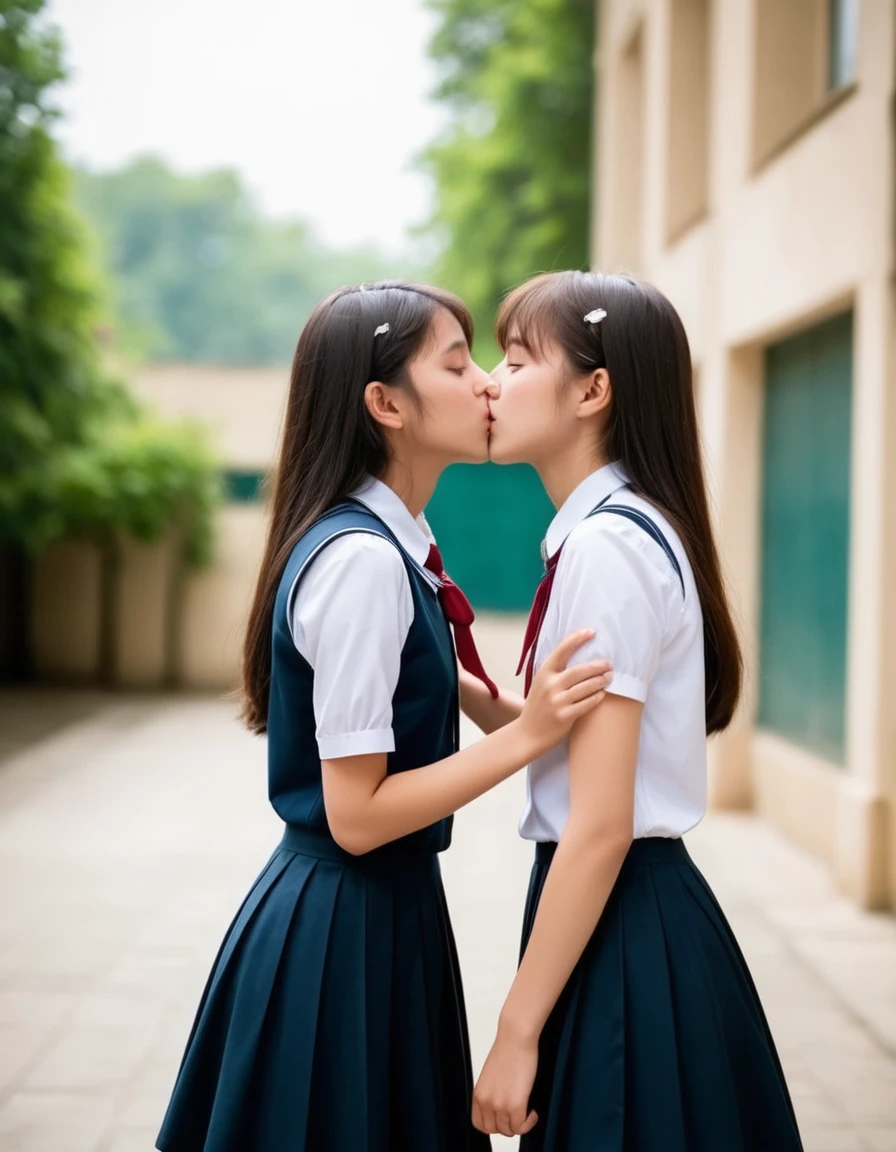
(484, 384)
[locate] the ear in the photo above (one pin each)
(595, 394)
(381, 405)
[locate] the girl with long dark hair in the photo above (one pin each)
(333, 1019)
(633, 1024)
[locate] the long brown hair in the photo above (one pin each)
(651, 428)
(330, 441)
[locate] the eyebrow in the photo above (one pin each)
(454, 347)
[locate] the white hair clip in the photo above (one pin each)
(595, 317)
(381, 331)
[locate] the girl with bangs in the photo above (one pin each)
(633, 1024)
(333, 1019)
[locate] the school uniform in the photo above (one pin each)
(658, 1042)
(333, 1019)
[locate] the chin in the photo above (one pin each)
(498, 454)
(476, 450)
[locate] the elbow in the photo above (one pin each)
(351, 837)
(602, 841)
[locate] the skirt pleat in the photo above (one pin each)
(333, 1018)
(659, 1042)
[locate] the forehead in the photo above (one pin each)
(445, 333)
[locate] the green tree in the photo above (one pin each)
(199, 274)
(77, 455)
(512, 170)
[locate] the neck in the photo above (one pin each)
(562, 474)
(413, 484)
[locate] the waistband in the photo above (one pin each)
(645, 850)
(322, 846)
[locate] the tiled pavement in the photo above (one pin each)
(131, 830)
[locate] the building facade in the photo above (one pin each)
(744, 162)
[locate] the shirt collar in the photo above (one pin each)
(413, 535)
(585, 497)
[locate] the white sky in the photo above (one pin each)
(320, 104)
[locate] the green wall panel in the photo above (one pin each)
(489, 522)
(243, 487)
(805, 537)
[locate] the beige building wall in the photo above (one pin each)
(784, 216)
(242, 409)
(161, 624)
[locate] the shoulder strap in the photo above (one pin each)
(643, 521)
(345, 519)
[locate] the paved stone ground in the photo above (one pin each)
(130, 828)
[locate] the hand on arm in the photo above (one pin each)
(366, 808)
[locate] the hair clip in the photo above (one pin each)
(381, 331)
(595, 317)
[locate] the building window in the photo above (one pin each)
(843, 29)
(242, 487)
(805, 51)
(687, 161)
(805, 537)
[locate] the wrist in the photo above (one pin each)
(515, 1027)
(526, 747)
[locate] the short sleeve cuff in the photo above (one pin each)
(356, 743)
(629, 686)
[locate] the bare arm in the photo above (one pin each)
(487, 714)
(603, 752)
(366, 808)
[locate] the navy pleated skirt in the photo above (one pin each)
(333, 1019)
(659, 1042)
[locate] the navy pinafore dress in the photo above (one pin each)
(333, 1019)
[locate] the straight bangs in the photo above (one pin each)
(528, 315)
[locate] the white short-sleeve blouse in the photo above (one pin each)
(350, 617)
(614, 578)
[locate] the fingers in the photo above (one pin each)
(579, 672)
(529, 1123)
(582, 708)
(586, 689)
(503, 1123)
(559, 658)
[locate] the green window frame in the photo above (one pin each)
(843, 33)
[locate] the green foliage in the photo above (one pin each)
(512, 172)
(77, 455)
(199, 274)
(143, 478)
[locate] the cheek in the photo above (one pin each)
(448, 408)
(529, 405)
